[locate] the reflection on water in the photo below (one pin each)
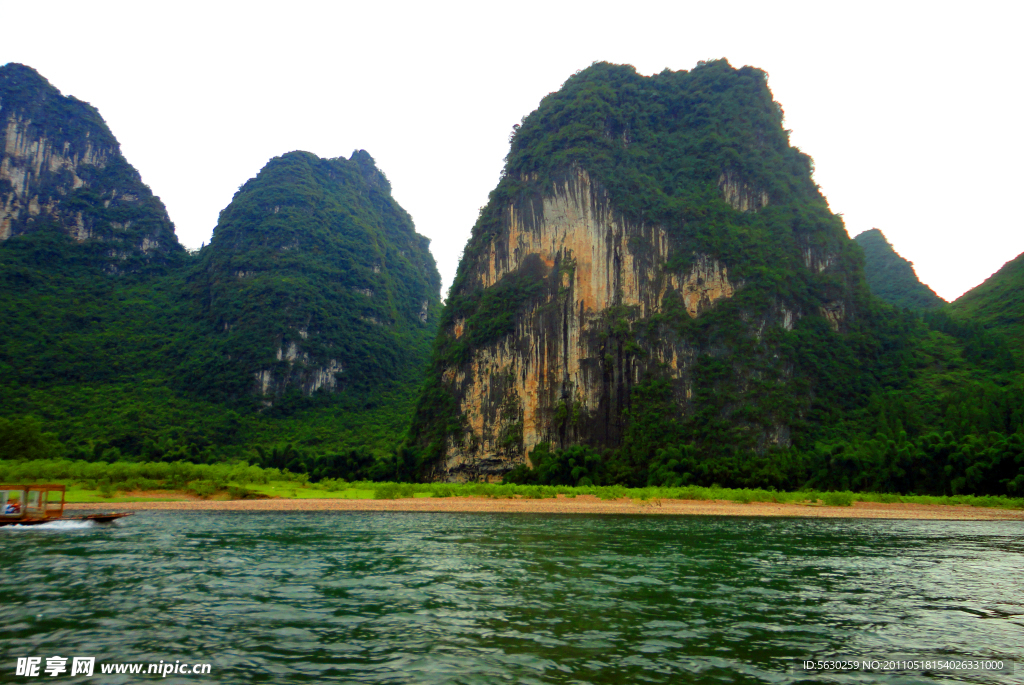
(471, 598)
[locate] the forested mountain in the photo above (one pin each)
(892, 278)
(998, 304)
(62, 171)
(306, 321)
(315, 280)
(656, 292)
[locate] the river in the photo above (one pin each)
(510, 598)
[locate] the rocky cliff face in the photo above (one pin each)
(62, 168)
(562, 376)
(559, 378)
(316, 279)
(567, 309)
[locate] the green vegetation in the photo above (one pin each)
(892, 278)
(998, 305)
(889, 462)
(89, 482)
(761, 404)
(120, 345)
(108, 478)
(106, 366)
(125, 227)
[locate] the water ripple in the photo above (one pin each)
(459, 598)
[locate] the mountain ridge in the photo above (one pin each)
(998, 304)
(891, 277)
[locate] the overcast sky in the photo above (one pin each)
(911, 111)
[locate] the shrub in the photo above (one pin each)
(838, 499)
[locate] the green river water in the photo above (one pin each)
(501, 598)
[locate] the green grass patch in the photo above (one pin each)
(102, 482)
(83, 496)
(290, 490)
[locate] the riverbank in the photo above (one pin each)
(581, 504)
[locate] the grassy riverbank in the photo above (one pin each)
(169, 481)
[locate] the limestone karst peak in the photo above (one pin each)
(329, 280)
(61, 169)
(652, 249)
(374, 176)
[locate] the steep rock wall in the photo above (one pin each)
(38, 175)
(560, 377)
(61, 167)
(740, 194)
(565, 372)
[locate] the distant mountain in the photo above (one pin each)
(307, 320)
(61, 167)
(892, 278)
(998, 303)
(316, 280)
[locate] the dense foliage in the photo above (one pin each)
(103, 365)
(84, 186)
(662, 147)
(110, 353)
(998, 304)
(892, 278)
(241, 480)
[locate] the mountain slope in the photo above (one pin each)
(307, 320)
(892, 278)
(656, 267)
(316, 280)
(998, 304)
(85, 249)
(308, 325)
(62, 169)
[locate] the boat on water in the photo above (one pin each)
(30, 505)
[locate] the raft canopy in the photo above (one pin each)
(31, 501)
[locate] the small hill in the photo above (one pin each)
(892, 278)
(998, 304)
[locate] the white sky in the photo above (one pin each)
(910, 110)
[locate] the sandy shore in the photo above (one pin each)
(584, 504)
